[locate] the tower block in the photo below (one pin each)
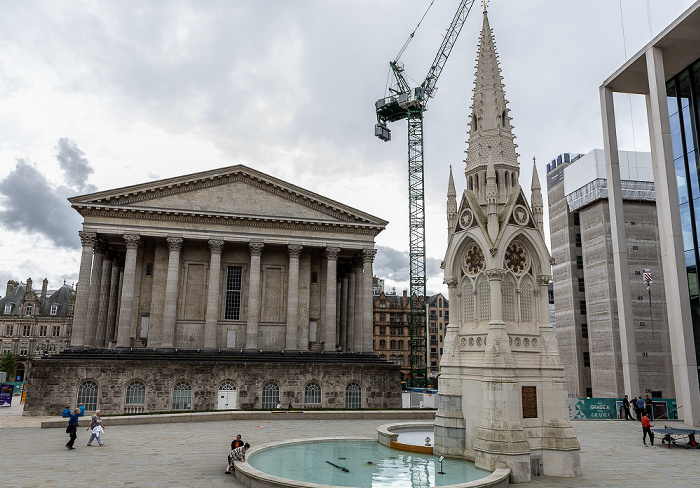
(502, 399)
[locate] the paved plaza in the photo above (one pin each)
(193, 454)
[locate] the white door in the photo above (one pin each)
(143, 330)
(231, 339)
(227, 400)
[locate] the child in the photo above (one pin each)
(238, 454)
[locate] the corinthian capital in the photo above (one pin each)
(216, 247)
(368, 255)
(87, 239)
(332, 253)
(132, 241)
(543, 280)
(256, 248)
(294, 250)
(174, 243)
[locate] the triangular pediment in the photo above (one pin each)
(236, 191)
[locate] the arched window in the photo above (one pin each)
(382, 356)
(270, 395)
(353, 396)
(182, 396)
(470, 184)
(503, 119)
(312, 393)
(392, 344)
(399, 360)
(382, 344)
(87, 395)
(512, 177)
(400, 345)
(228, 386)
(136, 393)
(393, 359)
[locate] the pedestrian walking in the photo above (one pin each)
(97, 429)
(626, 408)
(646, 430)
(72, 428)
(640, 408)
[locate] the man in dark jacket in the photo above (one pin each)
(72, 428)
(626, 408)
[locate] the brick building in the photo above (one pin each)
(438, 319)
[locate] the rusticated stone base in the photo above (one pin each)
(55, 380)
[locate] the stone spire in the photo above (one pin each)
(536, 196)
(490, 124)
(451, 206)
(492, 198)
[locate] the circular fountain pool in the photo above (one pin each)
(362, 463)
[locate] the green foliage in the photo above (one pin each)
(7, 364)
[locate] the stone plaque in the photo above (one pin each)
(529, 402)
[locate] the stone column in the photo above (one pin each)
(113, 299)
(82, 292)
(170, 308)
(104, 301)
(212, 315)
(452, 328)
(329, 337)
(127, 294)
(251, 336)
(294, 252)
(350, 336)
(359, 305)
(680, 323)
(630, 372)
(344, 312)
(95, 290)
(367, 338)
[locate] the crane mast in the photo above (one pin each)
(407, 103)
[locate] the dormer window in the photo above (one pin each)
(8, 308)
(28, 310)
(54, 308)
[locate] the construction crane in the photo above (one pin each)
(409, 103)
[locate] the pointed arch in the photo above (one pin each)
(513, 183)
(483, 293)
(527, 300)
(470, 184)
(508, 296)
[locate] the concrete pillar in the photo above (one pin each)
(127, 293)
(212, 315)
(630, 371)
(172, 282)
(367, 337)
(95, 290)
(104, 301)
(82, 292)
(292, 339)
(680, 322)
(343, 337)
(329, 335)
(113, 300)
(359, 305)
(350, 334)
(251, 338)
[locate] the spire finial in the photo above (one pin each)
(485, 3)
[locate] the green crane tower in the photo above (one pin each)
(407, 103)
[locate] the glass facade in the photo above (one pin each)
(683, 97)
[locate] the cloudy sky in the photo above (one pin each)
(102, 94)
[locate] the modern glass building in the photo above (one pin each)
(667, 73)
(683, 91)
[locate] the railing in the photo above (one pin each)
(131, 409)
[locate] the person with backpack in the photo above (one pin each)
(72, 428)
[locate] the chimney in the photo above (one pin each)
(11, 285)
(44, 288)
(29, 285)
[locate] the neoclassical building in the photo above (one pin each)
(231, 261)
(502, 399)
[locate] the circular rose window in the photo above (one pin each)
(516, 258)
(474, 260)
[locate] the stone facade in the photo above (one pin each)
(224, 260)
(502, 400)
(56, 381)
(584, 285)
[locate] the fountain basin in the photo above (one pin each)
(370, 465)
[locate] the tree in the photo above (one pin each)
(7, 364)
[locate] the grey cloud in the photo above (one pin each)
(29, 203)
(76, 168)
(392, 264)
